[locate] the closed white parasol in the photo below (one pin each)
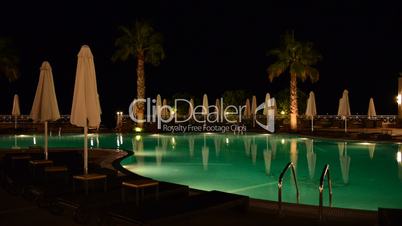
(85, 110)
(344, 108)
(16, 109)
(45, 107)
(371, 114)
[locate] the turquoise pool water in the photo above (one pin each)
(364, 175)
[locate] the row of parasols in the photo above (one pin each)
(250, 111)
(343, 108)
(85, 110)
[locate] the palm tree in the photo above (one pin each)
(8, 61)
(297, 58)
(145, 44)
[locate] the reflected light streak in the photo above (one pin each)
(366, 143)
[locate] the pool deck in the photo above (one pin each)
(23, 212)
(354, 134)
(15, 210)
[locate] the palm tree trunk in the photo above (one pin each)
(293, 102)
(140, 109)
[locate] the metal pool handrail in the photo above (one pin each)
(321, 188)
(289, 165)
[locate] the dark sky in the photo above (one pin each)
(211, 47)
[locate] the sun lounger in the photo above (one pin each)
(389, 217)
(16, 172)
(86, 206)
(156, 212)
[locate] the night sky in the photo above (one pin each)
(211, 47)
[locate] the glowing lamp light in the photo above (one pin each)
(399, 157)
(282, 112)
(365, 143)
(23, 135)
(138, 137)
(399, 99)
(227, 140)
(173, 141)
(138, 129)
(34, 140)
(283, 141)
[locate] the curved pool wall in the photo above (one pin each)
(364, 175)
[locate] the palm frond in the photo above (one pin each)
(276, 69)
(127, 31)
(309, 54)
(313, 74)
(139, 39)
(122, 54)
(298, 69)
(155, 52)
(8, 60)
(274, 52)
(298, 57)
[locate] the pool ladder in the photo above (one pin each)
(325, 174)
(290, 165)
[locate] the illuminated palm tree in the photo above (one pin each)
(297, 58)
(8, 61)
(145, 44)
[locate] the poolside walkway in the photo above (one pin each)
(361, 134)
(16, 211)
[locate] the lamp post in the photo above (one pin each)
(119, 120)
(399, 97)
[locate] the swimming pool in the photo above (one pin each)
(364, 175)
